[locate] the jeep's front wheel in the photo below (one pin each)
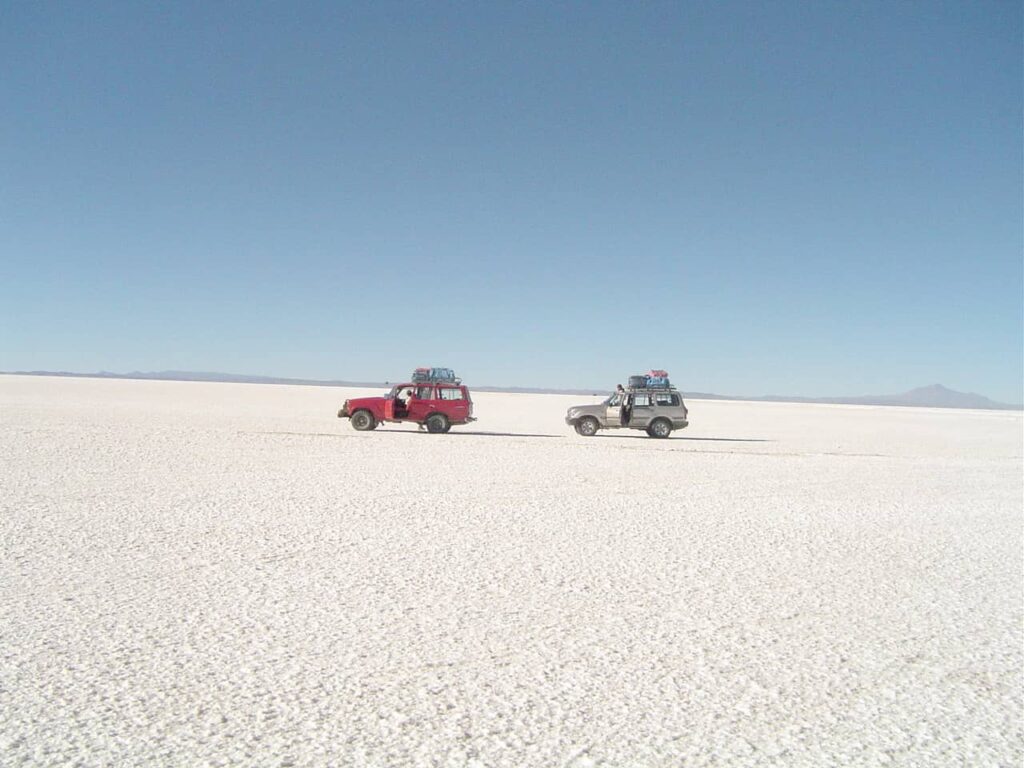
(587, 426)
(660, 428)
(363, 421)
(437, 423)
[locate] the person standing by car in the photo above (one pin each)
(620, 398)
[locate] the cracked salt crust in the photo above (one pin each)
(221, 574)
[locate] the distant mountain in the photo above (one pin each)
(932, 396)
(938, 396)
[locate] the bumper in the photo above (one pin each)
(343, 413)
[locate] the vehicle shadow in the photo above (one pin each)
(503, 434)
(727, 439)
(462, 432)
(694, 439)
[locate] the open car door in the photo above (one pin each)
(389, 404)
(613, 410)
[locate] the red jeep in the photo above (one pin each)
(437, 405)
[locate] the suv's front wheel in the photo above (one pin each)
(660, 428)
(437, 423)
(363, 421)
(587, 426)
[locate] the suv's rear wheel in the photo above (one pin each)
(660, 428)
(587, 426)
(437, 423)
(363, 421)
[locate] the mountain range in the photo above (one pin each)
(932, 396)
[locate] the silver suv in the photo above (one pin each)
(658, 411)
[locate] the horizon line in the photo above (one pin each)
(217, 377)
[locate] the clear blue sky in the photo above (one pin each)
(805, 198)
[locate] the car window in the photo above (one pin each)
(666, 398)
(641, 401)
(425, 393)
(615, 399)
(448, 393)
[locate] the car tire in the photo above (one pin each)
(437, 423)
(363, 421)
(587, 426)
(660, 428)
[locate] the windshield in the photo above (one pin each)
(613, 399)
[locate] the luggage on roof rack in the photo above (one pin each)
(652, 380)
(434, 374)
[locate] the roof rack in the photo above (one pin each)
(652, 380)
(435, 375)
(646, 388)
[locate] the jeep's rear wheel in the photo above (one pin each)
(587, 426)
(363, 421)
(438, 423)
(660, 428)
